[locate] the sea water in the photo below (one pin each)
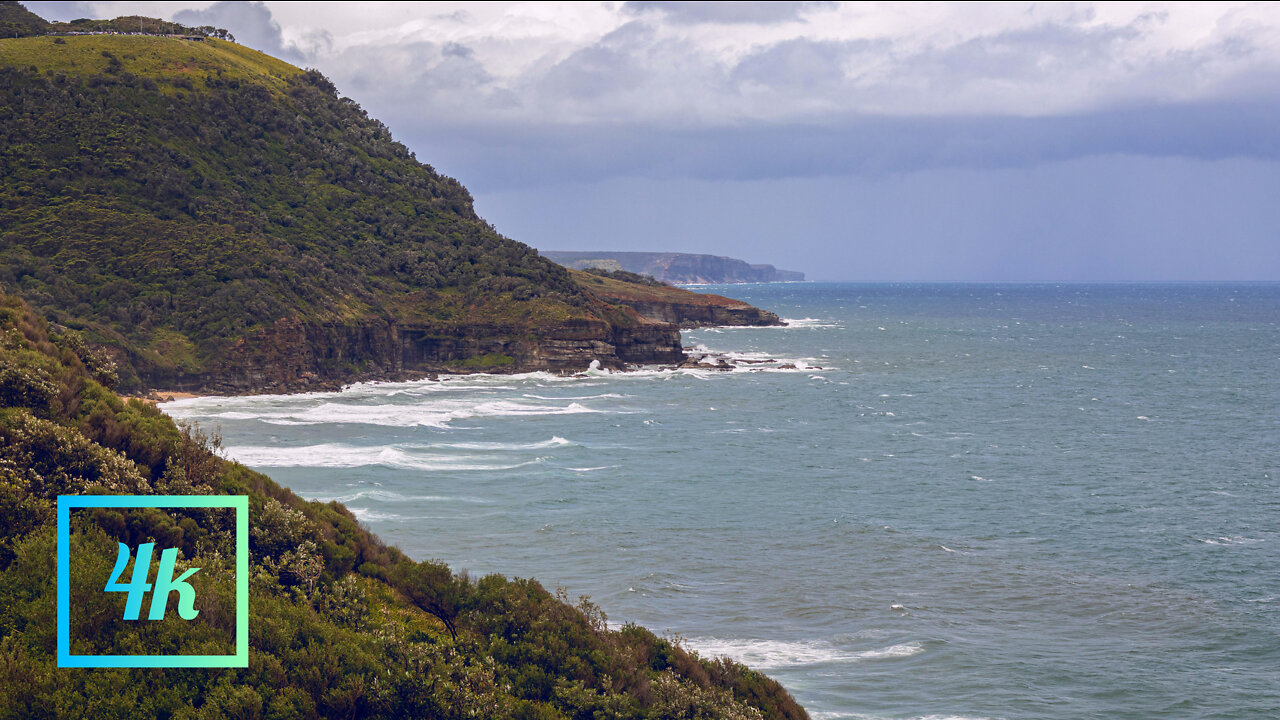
(973, 501)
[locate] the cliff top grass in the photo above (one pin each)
(158, 58)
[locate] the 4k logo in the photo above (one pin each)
(143, 586)
(165, 584)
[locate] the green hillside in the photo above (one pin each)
(180, 212)
(207, 210)
(340, 624)
(17, 21)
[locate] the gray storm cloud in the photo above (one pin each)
(927, 142)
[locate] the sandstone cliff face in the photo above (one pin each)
(635, 324)
(291, 356)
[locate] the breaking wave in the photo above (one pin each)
(779, 654)
(341, 455)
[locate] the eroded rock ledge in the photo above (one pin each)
(638, 325)
(292, 356)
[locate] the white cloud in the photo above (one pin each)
(922, 141)
(726, 64)
(593, 62)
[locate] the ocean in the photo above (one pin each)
(916, 501)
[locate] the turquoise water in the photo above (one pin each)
(991, 501)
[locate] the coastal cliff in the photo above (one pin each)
(673, 267)
(218, 220)
(293, 356)
(183, 212)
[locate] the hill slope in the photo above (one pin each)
(17, 21)
(226, 222)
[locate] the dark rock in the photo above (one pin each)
(291, 356)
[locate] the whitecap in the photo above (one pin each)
(365, 514)
(601, 396)
(394, 497)
(1231, 540)
(436, 413)
(555, 441)
(809, 322)
(773, 654)
(893, 651)
(339, 455)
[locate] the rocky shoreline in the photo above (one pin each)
(639, 325)
(291, 358)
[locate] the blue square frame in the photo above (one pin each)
(240, 503)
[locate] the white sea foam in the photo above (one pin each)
(340, 455)
(839, 715)
(433, 413)
(748, 361)
(778, 654)
(893, 651)
(456, 383)
(455, 397)
(365, 514)
(395, 497)
(809, 322)
(1231, 540)
(555, 441)
(791, 324)
(601, 396)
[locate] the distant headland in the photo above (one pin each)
(673, 267)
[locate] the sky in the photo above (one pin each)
(1009, 142)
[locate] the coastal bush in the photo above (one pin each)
(396, 638)
(626, 276)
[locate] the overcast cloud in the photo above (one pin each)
(725, 99)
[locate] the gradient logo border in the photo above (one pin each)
(238, 502)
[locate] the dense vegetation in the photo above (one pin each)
(17, 21)
(626, 276)
(341, 625)
(170, 198)
(162, 200)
